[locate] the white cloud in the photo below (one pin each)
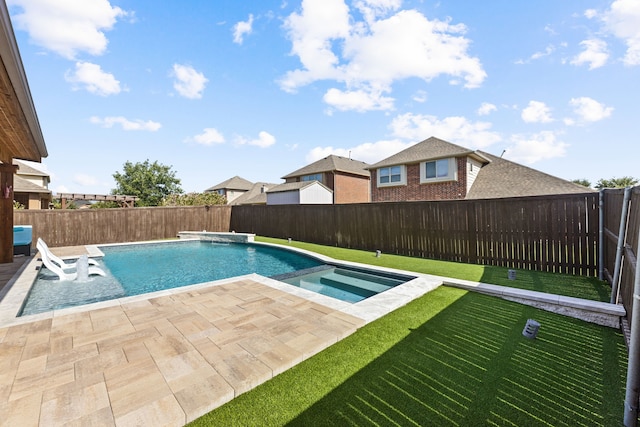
(590, 13)
(595, 54)
(358, 100)
(458, 130)
(420, 96)
(264, 140)
(189, 82)
(369, 55)
(209, 136)
(590, 110)
(68, 27)
(537, 112)
(371, 9)
(126, 124)
(93, 79)
(241, 29)
(370, 152)
(533, 148)
(84, 179)
(623, 21)
(486, 108)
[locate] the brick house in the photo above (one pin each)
(439, 170)
(347, 178)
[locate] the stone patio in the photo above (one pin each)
(162, 361)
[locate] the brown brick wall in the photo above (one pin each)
(350, 189)
(413, 191)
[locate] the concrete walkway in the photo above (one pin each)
(162, 361)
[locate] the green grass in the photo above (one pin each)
(449, 358)
(560, 284)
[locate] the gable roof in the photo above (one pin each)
(296, 186)
(235, 183)
(25, 169)
(503, 178)
(333, 163)
(255, 196)
(429, 149)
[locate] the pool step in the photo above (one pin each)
(358, 286)
(376, 278)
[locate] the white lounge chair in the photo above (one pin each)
(55, 268)
(42, 247)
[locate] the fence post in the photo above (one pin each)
(601, 236)
(633, 370)
(622, 238)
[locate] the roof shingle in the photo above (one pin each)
(332, 163)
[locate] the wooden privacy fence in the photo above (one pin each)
(626, 240)
(91, 226)
(547, 233)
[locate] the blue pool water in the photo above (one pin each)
(136, 269)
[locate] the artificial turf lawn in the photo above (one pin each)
(449, 358)
(560, 284)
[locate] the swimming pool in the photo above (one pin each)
(135, 269)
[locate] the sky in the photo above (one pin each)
(259, 89)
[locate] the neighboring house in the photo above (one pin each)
(256, 196)
(439, 170)
(231, 188)
(31, 187)
(300, 193)
(347, 178)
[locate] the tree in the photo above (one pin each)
(582, 181)
(150, 182)
(625, 181)
(194, 199)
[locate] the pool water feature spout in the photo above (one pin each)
(82, 269)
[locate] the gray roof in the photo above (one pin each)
(429, 149)
(255, 196)
(235, 183)
(503, 178)
(293, 186)
(332, 163)
(21, 185)
(25, 169)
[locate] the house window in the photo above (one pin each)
(438, 170)
(394, 175)
(314, 177)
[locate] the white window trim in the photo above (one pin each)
(403, 177)
(452, 176)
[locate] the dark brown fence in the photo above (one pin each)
(548, 233)
(613, 214)
(89, 226)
